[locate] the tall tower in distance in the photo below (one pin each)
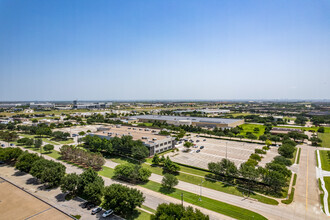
(74, 104)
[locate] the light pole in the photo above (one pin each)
(200, 193)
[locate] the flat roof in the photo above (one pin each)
(18, 204)
(138, 133)
(193, 119)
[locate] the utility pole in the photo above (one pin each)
(182, 199)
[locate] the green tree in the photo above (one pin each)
(188, 144)
(10, 153)
(122, 199)
(170, 166)
(286, 150)
(88, 176)
(177, 212)
(25, 161)
(38, 143)
(169, 181)
(53, 175)
(132, 172)
(48, 147)
(155, 159)
(268, 143)
(250, 173)
(82, 133)
(275, 180)
(140, 152)
(69, 184)
(321, 129)
(94, 191)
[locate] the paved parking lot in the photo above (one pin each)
(215, 150)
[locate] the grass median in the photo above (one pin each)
(211, 204)
(325, 161)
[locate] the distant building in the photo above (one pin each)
(100, 105)
(205, 111)
(278, 130)
(194, 121)
(151, 139)
(10, 105)
(41, 105)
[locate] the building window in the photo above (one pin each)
(161, 144)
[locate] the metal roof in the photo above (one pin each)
(193, 119)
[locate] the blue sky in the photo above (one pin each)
(146, 49)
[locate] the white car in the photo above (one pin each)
(107, 213)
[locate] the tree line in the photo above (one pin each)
(83, 157)
(124, 145)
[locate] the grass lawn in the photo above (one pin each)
(325, 137)
(69, 141)
(250, 128)
(46, 140)
(211, 204)
(106, 171)
(294, 155)
(148, 209)
(54, 154)
(327, 186)
(325, 161)
(141, 216)
(219, 186)
(298, 155)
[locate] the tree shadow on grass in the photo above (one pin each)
(132, 215)
(166, 190)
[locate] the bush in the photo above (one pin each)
(177, 211)
(265, 148)
(251, 162)
(255, 157)
(282, 160)
(259, 151)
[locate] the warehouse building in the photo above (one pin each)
(194, 121)
(151, 139)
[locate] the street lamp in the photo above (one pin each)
(200, 195)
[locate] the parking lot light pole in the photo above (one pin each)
(200, 193)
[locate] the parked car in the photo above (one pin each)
(197, 151)
(2, 145)
(90, 206)
(85, 205)
(11, 144)
(197, 141)
(96, 210)
(107, 213)
(201, 147)
(204, 139)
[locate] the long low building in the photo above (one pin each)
(151, 139)
(194, 121)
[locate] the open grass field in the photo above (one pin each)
(325, 161)
(214, 205)
(325, 137)
(54, 154)
(250, 128)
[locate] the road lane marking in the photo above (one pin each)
(307, 181)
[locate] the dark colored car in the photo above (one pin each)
(96, 210)
(197, 151)
(201, 147)
(90, 206)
